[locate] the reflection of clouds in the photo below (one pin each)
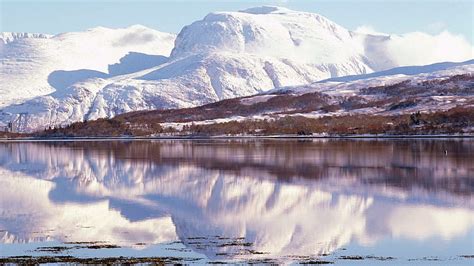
(121, 199)
(421, 222)
(280, 218)
(29, 215)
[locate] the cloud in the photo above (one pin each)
(416, 48)
(135, 38)
(367, 29)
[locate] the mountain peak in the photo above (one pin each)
(266, 10)
(269, 31)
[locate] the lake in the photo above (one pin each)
(341, 201)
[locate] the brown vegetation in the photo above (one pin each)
(449, 122)
(443, 122)
(104, 127)
(10, 135)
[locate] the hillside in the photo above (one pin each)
(441, 102)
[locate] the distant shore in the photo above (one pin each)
(249, 137)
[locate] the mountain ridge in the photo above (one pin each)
(29, 59)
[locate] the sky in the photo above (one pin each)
(395, 17)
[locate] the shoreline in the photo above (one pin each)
(244, 137)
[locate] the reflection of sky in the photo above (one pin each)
(69, 194)
(433, 246)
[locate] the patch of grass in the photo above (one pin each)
(354, 257)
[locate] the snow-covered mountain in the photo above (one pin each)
(29, 61)
(224, 55)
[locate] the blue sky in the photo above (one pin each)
(385, 16)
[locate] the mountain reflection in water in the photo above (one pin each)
(237, 199)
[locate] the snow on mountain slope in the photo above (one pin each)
(405, 70)
(393, 77)
(27, 60)
(232, 54)
(271, 31)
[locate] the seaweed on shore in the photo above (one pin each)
(60, 249)
(112, 260)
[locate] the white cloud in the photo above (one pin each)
(417, 48)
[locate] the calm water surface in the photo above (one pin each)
(285, 201)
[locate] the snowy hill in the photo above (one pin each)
(27, 59)
(224, 55)
(440, 102)
(444, 101)
(406, 70)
